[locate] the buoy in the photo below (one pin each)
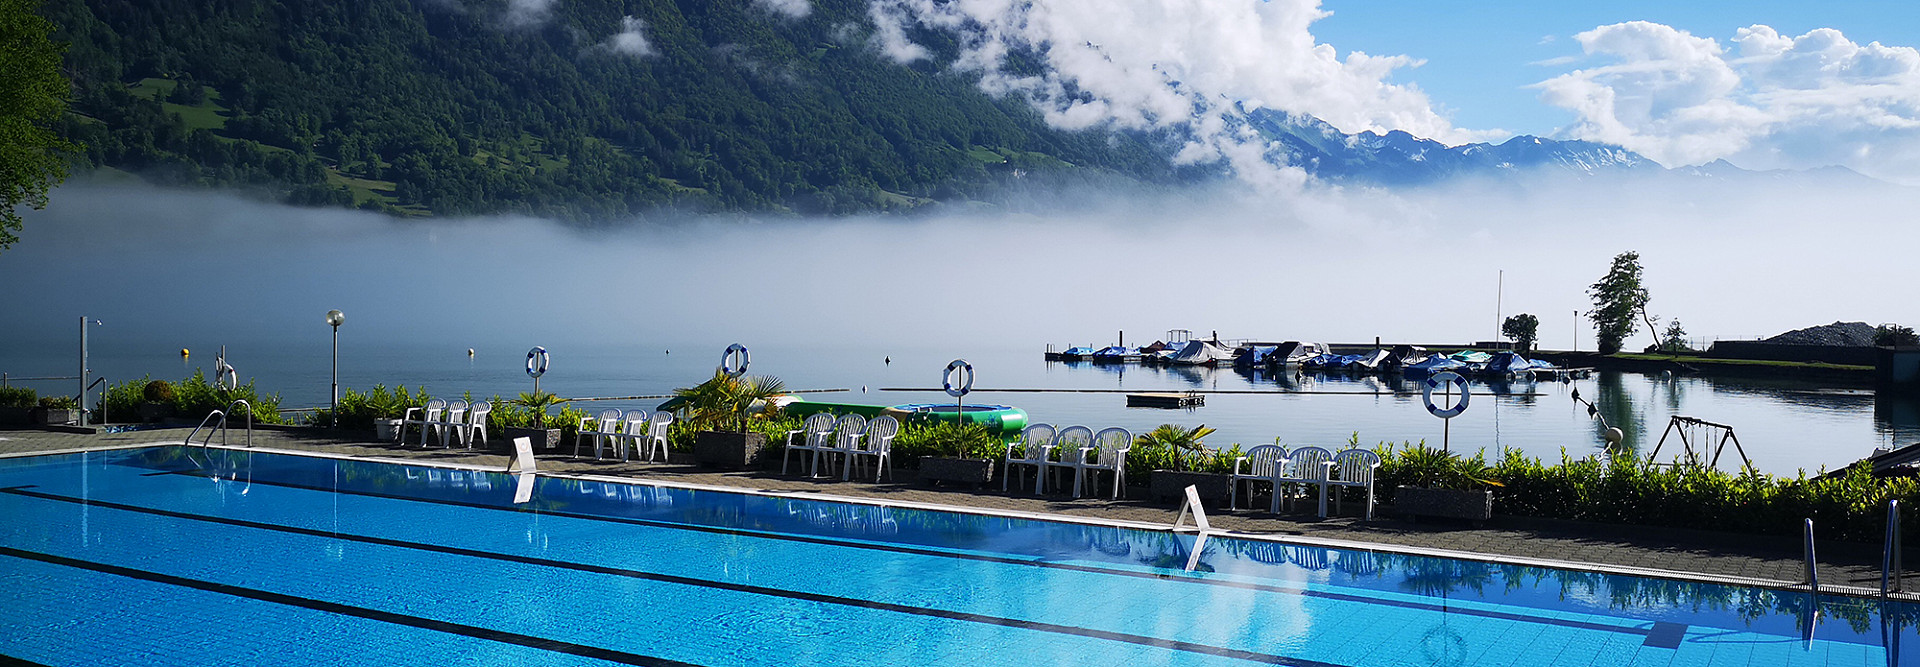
(889, 361)
(1614, 435)
(183, 352)
(469, 351)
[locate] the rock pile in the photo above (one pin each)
(1838, 334)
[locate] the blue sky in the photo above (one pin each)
(1480, 55)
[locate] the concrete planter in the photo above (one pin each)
(385, 429)
(1169, 486)
(51, 416)
(1444, 503)
(732, 450)
(16, 416)
(956, 470)
(542, 438)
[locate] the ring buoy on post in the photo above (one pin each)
(734, 361)
(226, 377)
(536, 362)
(958, 380)
(1438, 380)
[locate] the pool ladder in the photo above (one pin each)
(217, 421)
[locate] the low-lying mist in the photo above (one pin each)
(1333, 264)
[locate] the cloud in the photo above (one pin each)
(631, 40)
(1763, 101)
(1169, 65)
(793, 9)
(524, 13)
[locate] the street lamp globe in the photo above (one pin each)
(335, 318)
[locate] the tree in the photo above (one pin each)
(1894, 335)
(1675, 339)
(1523, 329)
(33, 95)
(1617, 298)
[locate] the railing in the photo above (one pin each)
(1890, 570)
(1813, 573)
(210, 425)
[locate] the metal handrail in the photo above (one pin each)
(1890, 570)
(1813, 573)
(221, 425)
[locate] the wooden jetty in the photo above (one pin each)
(1165, 400)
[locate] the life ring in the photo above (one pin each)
(536, 362)
(226, 377)
(958, 380)
(1435, 381)
(734, 361)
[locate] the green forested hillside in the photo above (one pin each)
(445, 107)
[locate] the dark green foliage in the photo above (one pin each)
(59, 403)
(1894, 335)
(1522, 329)
(157, 391)
(33, 96)
(1674, 340)
(1420, 465)
(965, 440)
(439, 107)
(18, 397)
(729, 403)
(193, 398)
(358, 410)
(1617, 299)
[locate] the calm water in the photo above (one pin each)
(1783, 426)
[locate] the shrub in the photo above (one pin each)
(945, 438)
(157, 391)
(59, 403)
(358, 410)
(17, 397)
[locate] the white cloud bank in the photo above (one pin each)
(1170, 64)
(631, 40)
(793, 9)
(526, 13)
(1764, 101)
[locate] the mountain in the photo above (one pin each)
(1399, 158)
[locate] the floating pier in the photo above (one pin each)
(1166, 400)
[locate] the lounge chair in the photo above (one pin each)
(475, 424)
(1072, 443)
(1110, 447)
(1352, 468)
(1307, 465)
(657, 429)
(425, 415)
(1036, 444)
(1257, 466)
(816, 433)
(449, 421)
(877, 443)
(601, 429)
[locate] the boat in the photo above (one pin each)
(1367, 363)
(1434, 363)
(1203, 353)
(1295, 353)
(1253, 356)
(1510, 364)
(1116, 354)
(1077, 353)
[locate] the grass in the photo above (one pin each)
(208, 115)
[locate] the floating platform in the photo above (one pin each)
(1166, 400)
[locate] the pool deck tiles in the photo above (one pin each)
(1760, 557)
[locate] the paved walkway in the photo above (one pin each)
(1775, 559)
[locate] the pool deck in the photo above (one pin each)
(1769, 560)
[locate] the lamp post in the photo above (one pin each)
(334, 318)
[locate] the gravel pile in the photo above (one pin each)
(1841, 334)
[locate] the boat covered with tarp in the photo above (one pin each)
(1253, 356)
(1434, 363)
(1203, 353)
(1116, 354)
(1511, 363)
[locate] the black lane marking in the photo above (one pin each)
(10, 661)
(892, 548)
(157, 474)
(820, 598)
(1665, 635)
(529, 641)
(16, 488)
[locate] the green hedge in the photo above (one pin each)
(193, 398)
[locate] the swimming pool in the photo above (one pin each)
(147, 556)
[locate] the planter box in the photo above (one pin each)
(543, 438)
(16, 416)
(50, 416)
(384, 429)
(728, 449)
(1169, 486)
(1444, 503)
(154, 412)
(957, 470)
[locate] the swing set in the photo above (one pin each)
(1703, 434)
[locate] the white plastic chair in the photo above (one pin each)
(1110, 447)
(1307, 465)
(1072, 443)
(427, 415)
(657, 429)
(1257, 466)
(449, 421)
(601, 429)
(815, 433)
(877, 443)
(475, 424)
(1036, 444)
(846, 436)
(633, 432)
(1352, 468)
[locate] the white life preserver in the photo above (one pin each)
(734, 361)
(1434, 382)
(536, 362)
(226, 377)
(958, 380)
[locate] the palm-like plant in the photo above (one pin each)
(725, 403)
(1185, 443)
(537, 405)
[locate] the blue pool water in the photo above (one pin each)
(173, 556)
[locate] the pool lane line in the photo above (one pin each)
(1004, 560)
(819, 598)
(17, 488)
(10, 661)
(476, 632)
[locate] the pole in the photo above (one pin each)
(1499, 302)
(333, 403)
(1576, 329)
(82, 397)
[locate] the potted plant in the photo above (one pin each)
(539, 428)
(718, 411)
(16, 405)
(1443, 484)
(970, 452)
(158, 403)
(57, 410)
(1179, 459)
